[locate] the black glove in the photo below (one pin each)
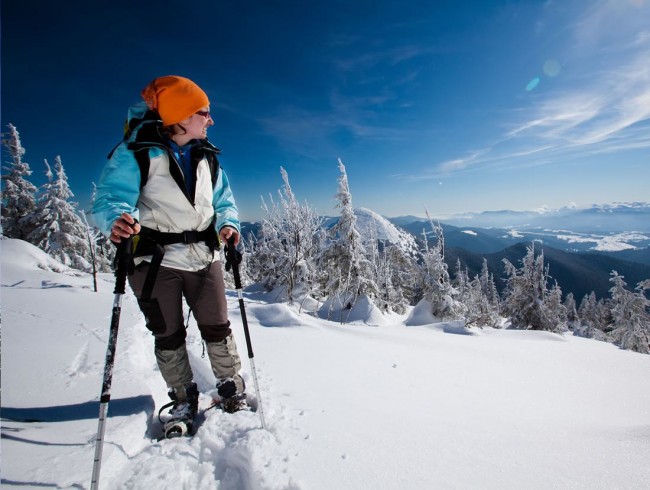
(233, 256)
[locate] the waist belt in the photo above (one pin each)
(152, 242)
(209, 236)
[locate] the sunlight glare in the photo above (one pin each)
(532, 84)
(552, 68)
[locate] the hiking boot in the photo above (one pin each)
(231, 401)
(182, 412)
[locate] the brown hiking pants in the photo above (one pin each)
(204, 292)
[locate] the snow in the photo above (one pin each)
(606, 243)
(370, 223)
(407, 403)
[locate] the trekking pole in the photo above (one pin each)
(122, 258)
(233, 259)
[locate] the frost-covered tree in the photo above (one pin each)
(527, 300)
(631, 321)
(402, 269)
(59, 230)
(555, 313)
(489, 288)
(573, 319)
(40, 214)
(435, 281)
(592, 322)
(288, 240)
(347, 272)
(480, 309)
(18, 193)
(461, 282)
(481, 312)
(394, 272)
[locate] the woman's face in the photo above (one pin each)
(196, 126)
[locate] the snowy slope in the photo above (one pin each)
(427, 405)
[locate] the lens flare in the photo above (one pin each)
(532, 84)
(552, 68)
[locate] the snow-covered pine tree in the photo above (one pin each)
(18, 194)
(288, 241)
(396, 277)
(461, 282)
(59, 230)
(573, 319)
(592, 323)
(555, 314)
(489, 288)
(480, 311)
(631, 321)
(347, 272)
(435, 281)
(527, 301)
(40, 214)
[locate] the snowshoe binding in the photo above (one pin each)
(228, 399)
(182, 413)
(234, 404)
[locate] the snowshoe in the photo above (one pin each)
(177, 428)
(234, 404)
(182, 413)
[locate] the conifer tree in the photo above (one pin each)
(480, 311)
(435, 281)
(573, 319)
(348, 270)
(59, 230)
(631, 321)
(593, 316)
(18, 194)
(527, 301)
(489, 288)
(397, 278)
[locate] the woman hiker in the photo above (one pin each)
(164, 185)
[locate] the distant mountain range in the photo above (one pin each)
(621, 228)
(581, 246)
(599, 218)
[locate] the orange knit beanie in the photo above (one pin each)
(175, 98)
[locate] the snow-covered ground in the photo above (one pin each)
(428, 405)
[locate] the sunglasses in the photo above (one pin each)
(203, 113)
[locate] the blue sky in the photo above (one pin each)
(452, 106)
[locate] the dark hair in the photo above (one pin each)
(172, 130)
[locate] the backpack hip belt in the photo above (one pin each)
(152, 242)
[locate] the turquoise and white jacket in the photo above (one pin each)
(163, 202)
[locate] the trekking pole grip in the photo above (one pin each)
(122, 260)
(233, 259)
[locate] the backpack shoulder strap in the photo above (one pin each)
(142, 157)
(214, 167)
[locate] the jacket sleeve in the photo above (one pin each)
(118, 189)
(223, 202)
